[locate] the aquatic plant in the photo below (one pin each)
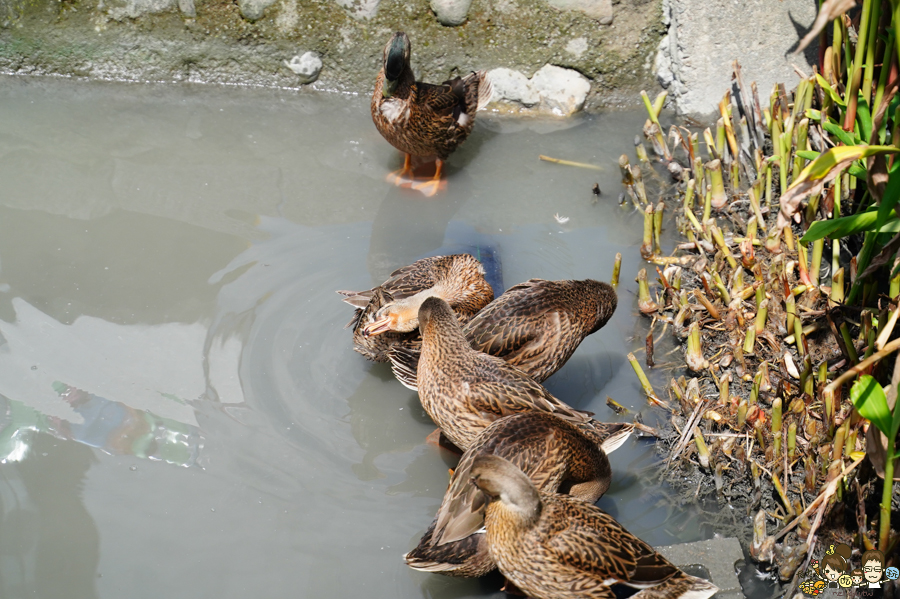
(792, 339)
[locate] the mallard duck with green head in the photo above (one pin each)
(555, 546)
(554, 455)
(421, 119)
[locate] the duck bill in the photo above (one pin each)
(389, 87)
(377, 327)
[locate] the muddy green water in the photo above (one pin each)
(181, 413)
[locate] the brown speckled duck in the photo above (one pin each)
(388, 314)
(558, 547)
(552, 453)
(464, 390)
(537, 325)
(421, 119)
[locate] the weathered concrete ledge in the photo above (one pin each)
(716, 556)
(263, 42)
(705, 36)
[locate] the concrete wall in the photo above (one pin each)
(704, 37)
(547, 56)
(263, 42)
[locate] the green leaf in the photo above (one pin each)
(839, 157)
(823, 83)
(864, 118)
(891, 195)
(848, 139)
(869, 400)
(858, 171)
(838, 228)
(808, 154)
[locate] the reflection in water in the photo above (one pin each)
(110, 426)
(49, 544)
(151, 370)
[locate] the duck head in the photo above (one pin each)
(396, 62)
(400, 317)
(502, 481)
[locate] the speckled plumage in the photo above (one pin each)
(464, 390)
(537, 325)
(551, 452)
(557, 547)
(422, 119)
(458, 278)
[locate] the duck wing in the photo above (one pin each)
(502, 389)
(441, 99)
(591, 541)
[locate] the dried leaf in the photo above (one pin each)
(830, 10)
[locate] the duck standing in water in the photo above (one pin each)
(555, 456)
(558, 547)
(421, 119)
(536, 326)
(388, 315)
(464, 390)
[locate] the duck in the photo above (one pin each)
(554, 455)
(422, 119)
(464, 390)
(554, 546)
(387, 315)
(536, 326)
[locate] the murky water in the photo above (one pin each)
(181, 413)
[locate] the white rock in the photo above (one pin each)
(451, 12)
(253, 10)
(132, 9)
(562, 91)
(577, 47)
(596, 9)
(187, 8)
(513, 86)
(360, 9)
(307, 67)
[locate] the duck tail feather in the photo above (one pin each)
(404, 364)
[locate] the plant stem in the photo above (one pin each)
(852, 96)
(871, 41)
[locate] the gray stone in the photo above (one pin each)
(705, 36)
(133, 9)
(187, 8)
(562, 91)
(253, 10)
(307, 67)
(601, 10)
(551, 91)
(716, 556)
(360, 9)
(451, 12)
(512, 86)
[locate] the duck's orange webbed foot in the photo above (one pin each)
(430, 188)
(438, 439)
(404, 176)
(512, 589)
